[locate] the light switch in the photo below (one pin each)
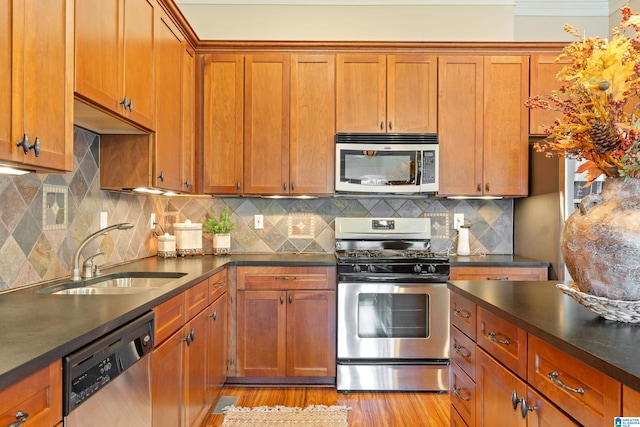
(258, 222)
(103, 220)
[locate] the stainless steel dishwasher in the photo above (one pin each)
(108, 382)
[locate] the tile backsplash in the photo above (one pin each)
(43, 219)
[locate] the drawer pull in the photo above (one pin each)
(461, 351)
(493, 337)
(462, 313)
(21, 419)
(456, 391)
(514, 400)
(553, 376)
(218, 285)
(497, 278)
(286, 278)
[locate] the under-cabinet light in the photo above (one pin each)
(147, 190)
(475, 197)
(8, 170)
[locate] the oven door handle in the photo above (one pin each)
(396, 278)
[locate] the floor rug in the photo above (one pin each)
(284, 416)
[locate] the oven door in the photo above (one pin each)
(392, 321)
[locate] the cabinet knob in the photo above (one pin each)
(214, 315)
(293, 186)
(127, 104)
(390, 125)
(284, 186)
(382, 125)
(486, 187)
(130, 105)
(479, 188)
(161, 176)
(187, 183)
(124, 102)
(238, 186)
(524, 409)
(290, 299)
(515, 400)
(21, 417)
(281, 299)
(26, 146)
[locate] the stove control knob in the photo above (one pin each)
(371, 268)
(356, 268)
(431, 268)
(417, 268)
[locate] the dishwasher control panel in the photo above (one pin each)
(91, 368)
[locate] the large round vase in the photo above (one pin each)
(601, 241)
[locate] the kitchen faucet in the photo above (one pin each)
(75, 275)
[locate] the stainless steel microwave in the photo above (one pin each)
(386, 163)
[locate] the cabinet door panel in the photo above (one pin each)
(6, 145)
(217, 346)
(460, 124)
(506, 142)
(312, 124)
(167, 374)
(223, 124)
(196, 370)
(187, 173)
(543, 81)
(361, 93)
(412, 86)
(261, 333)
(545, 414)
(311, 347)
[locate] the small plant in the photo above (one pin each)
(224, 225)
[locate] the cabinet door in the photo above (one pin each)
(495, 386)
(261, 333)
(312, 124)
(195, 368)
(543, 413)
(361, 88)
(412, 85)
(460, 124)
(168, 73)
(167, 382)
(506, 125)
(311, 332)
(138, 79)
(98, 45)
(266, 126)
(217, 347)
(6, 36)
(223, 124)
(43, 81)
(543, 81)
(188, 119)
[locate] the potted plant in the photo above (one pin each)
(220, 228)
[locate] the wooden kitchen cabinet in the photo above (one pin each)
(386, 93)
(188, 171)
(38, 395)
(286, 322)
(542, 82)
(114, 52)
(499, 273)
(483, 125)
(37, 106)
(223, 87)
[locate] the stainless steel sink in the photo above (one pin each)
(114, 283)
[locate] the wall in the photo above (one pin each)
(45, 217)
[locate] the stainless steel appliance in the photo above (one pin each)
(387, 163)
(393, 306)
(108, 382)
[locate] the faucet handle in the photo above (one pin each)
(87, 273)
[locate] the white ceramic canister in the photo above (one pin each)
(188, 238)
(463, 240)
(167, 246)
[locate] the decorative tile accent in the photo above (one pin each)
(301, 226)
(439, 224)
(54, 207)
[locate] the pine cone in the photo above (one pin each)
(604, 136)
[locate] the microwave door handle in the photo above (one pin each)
(419, 171)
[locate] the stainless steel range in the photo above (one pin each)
(393, 306)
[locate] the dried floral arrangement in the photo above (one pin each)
(598, 102)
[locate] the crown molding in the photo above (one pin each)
(352, 2)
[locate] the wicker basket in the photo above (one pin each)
(618, 310)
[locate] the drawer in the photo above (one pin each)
(284, 278)
(463, 314)
(170, 316)
(463, 395)
(463, 351)
(504, 341)
(217, 285)
(197, 298)
(499, 273)
(39, 395)
(589, 396)
(456, 419)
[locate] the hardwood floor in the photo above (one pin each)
(395, 409)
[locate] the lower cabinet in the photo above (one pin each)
(37, 398)
(286, 319)
(189, 365)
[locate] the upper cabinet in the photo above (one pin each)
(114, 61)
(188, 118)
(36, 118)
(543, 81)
(483, 125)
(386, 93)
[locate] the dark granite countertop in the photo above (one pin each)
(37, 329)
(542, 310)
(495, 261)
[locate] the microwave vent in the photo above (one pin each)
(387, 138)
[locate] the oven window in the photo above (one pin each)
(393, 316)
(378, 168)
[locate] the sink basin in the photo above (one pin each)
(114, 284)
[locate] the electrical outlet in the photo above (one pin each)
(258, 222)
(103, 220)
(152, 221)
(458, 220)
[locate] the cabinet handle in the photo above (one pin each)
(214, 315)
(462, 313)
(286, 277)
(456, 391)
(284, 186)
(493, 337)
(124, 102)
(21, 417)
(238, 185)
(191, 337)
(524, 409)
(459, 349)
(486, 187)
(290, 299)
(219, 285)
(293, 186)
(514, 400)
(497, 278)
(187, 183)
(479, 188)
(553, 376)
(281, 299)
(26, 146)
(161, 176)
(130, 105)
(390, 125)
